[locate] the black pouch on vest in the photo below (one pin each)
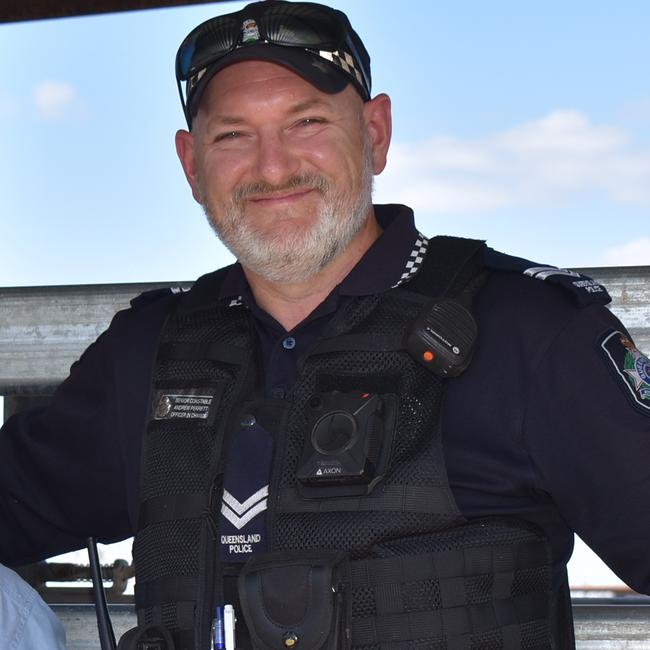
(296, 599)
(146, 637)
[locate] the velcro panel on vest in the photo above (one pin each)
(393, 498)
(208, 350)
(174, 507)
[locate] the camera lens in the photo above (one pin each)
(334, 432)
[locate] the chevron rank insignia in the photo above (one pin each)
(244, 501)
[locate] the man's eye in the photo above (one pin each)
(229, 135)
(311, 121)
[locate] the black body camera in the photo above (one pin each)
(348, 442)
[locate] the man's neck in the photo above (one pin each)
(291, 303)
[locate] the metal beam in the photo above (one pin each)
(43, 330)
(629, 287)
(610, 626)
(19, 10)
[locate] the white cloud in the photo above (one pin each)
(637, 111)
(55, 100)
(555, 158)
(634, 253)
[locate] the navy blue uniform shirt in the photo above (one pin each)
(539, 427)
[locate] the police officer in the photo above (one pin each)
(355, 435)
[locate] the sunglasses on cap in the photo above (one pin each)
(308, 30)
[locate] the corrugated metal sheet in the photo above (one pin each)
(44, 329)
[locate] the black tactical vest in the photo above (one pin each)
(405, 567)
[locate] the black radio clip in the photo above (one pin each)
(443, 338)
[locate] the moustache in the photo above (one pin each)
(302, 181)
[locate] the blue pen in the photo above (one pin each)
(218, 639)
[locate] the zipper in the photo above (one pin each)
(341, 633)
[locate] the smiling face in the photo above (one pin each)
(283, 170)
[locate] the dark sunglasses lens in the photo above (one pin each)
(302, 26)
(209, 41)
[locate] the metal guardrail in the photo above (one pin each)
(80, 624)
(629, 287)
(612, 626)
(71, 584)
(44, 329)
(598, 626)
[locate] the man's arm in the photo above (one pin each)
(71, 469)
(538, 428)
(590, 442)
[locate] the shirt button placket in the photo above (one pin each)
(289, 343)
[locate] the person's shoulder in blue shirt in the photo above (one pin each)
(26, 622)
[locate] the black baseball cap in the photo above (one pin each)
(315, 41)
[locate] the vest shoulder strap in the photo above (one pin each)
(452, 267)
(205, 291)
(152, 295)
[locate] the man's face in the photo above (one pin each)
(283, 170)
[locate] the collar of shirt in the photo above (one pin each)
(391, 260)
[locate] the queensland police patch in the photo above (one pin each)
(631, 366)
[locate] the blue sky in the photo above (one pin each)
(527, 124)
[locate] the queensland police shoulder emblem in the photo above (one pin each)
(631, 365)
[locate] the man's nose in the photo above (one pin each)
(277, 161)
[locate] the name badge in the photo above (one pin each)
(186, 403)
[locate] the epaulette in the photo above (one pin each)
(584, 289)
(147, 297)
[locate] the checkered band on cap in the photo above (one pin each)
(192, 81)
(344, 61)
(415, 259)
(340, 59)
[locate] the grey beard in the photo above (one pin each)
(295, 256)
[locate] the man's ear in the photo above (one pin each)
(378, 119)
(185, 151)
